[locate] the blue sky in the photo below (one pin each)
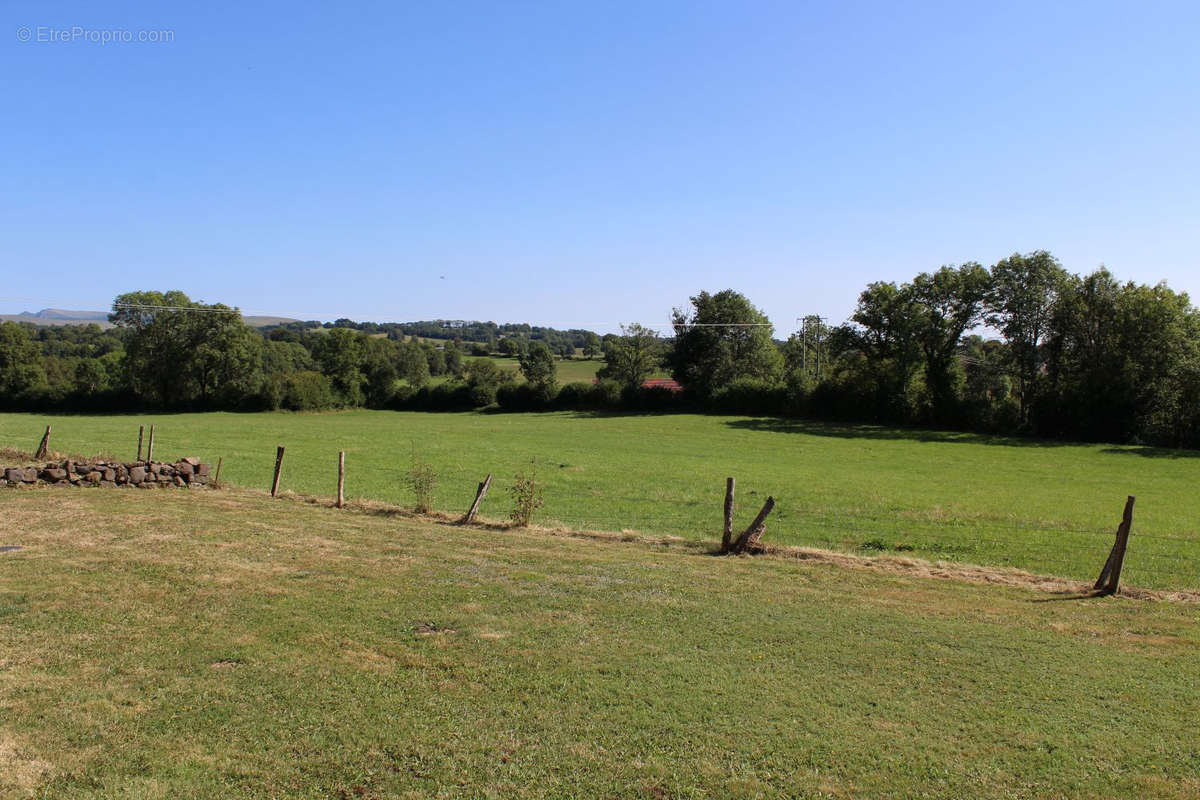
(587, 164)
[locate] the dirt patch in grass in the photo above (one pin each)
(20, 771)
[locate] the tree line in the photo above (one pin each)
(1020, 347)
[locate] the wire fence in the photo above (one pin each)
(1068, 547)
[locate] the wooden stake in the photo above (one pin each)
(727, 533)
(752, 534)
(341, 497)
(141, 430)
(479, 495)
(217, 477)
(44, 448)
(278, 467)
(1110, 577)
(150, 445)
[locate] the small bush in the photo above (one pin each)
(527, 496)
(422, 478)
(305, 390)
(574, 395)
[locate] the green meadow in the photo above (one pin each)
(214, 645)
(1044, 507)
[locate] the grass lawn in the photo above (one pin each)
(1048, 508)
(214, 645)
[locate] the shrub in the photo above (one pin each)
(606, 393)
(422, 478)
(574, 395)
(525, 396)
(305, 391)
(749, 396)
(527, 496)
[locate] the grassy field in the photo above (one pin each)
(572, 371)
(215, 645)
(1047, 508)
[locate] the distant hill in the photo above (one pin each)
(59, 316)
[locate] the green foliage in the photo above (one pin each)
(947, 303)
(339, 353)
(453, 358)
(723, 338)
(483, 378)
(591, 345)
(1025, 290)
(527, 495)
(20, 371)
(632, 357)
(182, 352)
(538, 367)
(305, 390)
(510, 346)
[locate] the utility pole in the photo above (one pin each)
(811, 329)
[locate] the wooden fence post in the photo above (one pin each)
(479, 495)
(278, 467)
(1110, 577)
(752, 534)
(217, 477)
(141, 430)
(727, 532)
(341, 496)
(43, 448)
(150, 445)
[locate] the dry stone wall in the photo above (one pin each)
(185, 473)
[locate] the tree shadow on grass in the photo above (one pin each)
(1151, 452)
(1056, 597)
(884, 432)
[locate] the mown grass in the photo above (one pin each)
(1044, 507)
(213, 645)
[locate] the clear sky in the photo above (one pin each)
(586, 163)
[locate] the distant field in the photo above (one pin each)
(208, 646)
(1048, 508)
(568, 371)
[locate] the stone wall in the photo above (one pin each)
(185, 473)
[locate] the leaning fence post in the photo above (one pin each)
(278, 467)
(1110, 576)
(341, 495)
(217, 477)
(727, 533)
(150, 445)
(44, 448)
(479, 494)
(141, 430)
(751, 535)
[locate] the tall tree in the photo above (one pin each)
(338, 353)
(538, 367)
(723, 338)
(179, 350)
(949, 302)
(20, 362)
(1020, 305)
(884, 332)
